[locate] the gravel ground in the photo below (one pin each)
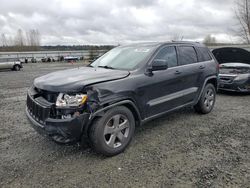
(182, 149)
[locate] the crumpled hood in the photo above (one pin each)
(74, 80)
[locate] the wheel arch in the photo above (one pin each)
(99, 113)
(127, 103)
(213, 81)
(209, 80)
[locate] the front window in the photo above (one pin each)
(168, 54)
(123, 58)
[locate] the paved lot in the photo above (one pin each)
(183, 149)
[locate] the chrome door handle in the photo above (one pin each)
(202, 67)
(177, 72)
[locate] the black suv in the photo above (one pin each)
(128, 86)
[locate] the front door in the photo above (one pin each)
(163, 88)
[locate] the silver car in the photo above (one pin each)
(10, 63)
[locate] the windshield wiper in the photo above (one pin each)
(106, 67)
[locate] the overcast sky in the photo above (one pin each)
(119, 21)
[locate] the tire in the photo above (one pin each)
(16, 68)
(207, 100)
(106, 134)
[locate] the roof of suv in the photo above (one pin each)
(166, 43)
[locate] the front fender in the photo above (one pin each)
(100, 112)
(128, 103)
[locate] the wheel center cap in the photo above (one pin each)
(116, 129)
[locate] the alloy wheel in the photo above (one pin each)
(209, 98)
(116, 130)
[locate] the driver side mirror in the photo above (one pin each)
(159, 64)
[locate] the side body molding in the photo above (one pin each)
(172, 96)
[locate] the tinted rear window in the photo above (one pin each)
(187, 55)
(203, 54)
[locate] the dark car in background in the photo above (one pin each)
(48, 59)
(234, 69)
(127, 86)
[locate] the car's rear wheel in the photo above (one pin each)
(207, 100)
(16, 68)
(112, 133)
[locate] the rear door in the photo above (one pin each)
(210, 66)
(190, 73)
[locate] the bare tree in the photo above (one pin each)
(10, 41)
(242, 13)
(33, 38)
(4, 40)
(19, 39)
(37, 38)
(177, 37)
(209, 39)
(28, 38)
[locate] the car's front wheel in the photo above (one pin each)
(207, 100)
(112, 133)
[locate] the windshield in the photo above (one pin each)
(234, 70)
(124, 58)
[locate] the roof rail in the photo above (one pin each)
(185, 41)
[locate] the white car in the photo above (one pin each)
(10, 63)
(71, 58)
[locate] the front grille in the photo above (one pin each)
(38, 112)
(49, 96)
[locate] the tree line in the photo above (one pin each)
(22, 41)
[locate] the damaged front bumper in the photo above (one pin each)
(235, 87)
(228, 83)
(60, 130)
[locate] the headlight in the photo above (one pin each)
(65, 100)
(242, 77)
